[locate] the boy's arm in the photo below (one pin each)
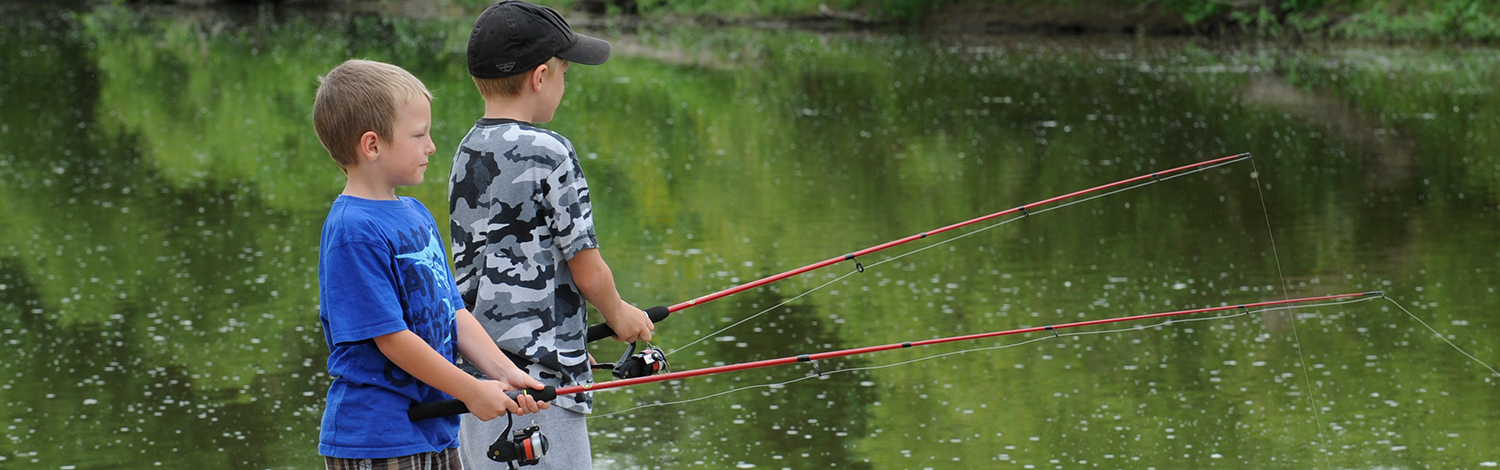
(597, 284)
(477, 347)
(485, 398)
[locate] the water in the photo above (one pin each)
(163, 193)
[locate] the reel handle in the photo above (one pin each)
(602, 330)
(443, 408)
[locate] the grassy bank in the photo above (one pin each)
(1402, 20)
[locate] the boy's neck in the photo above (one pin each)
(364, 186)
(517, 108)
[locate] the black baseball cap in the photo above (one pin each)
(512, 37)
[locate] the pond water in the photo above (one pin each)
(163, 193)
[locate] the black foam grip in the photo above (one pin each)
(443, 408)
(602, 330)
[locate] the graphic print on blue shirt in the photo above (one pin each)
(432, 258)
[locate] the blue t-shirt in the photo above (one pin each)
(381, 269)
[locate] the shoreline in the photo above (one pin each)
(961, 17)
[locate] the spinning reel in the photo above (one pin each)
(650, 361)
(526, 446)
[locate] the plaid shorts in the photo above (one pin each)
(445, 460)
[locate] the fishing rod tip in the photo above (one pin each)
(1376, 292)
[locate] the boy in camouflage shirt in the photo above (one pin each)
(524, 246)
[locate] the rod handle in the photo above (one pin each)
(602, 330)
(443, 408)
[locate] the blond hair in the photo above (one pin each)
(360, 96)
(511, 87)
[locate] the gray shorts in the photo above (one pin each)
(567, 438)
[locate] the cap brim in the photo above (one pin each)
(587, 51)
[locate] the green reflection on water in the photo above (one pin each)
(163, 193)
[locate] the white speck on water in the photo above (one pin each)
(866, 383)
(90, 401)
(1179, 286)
(744, 465)
(724, 339)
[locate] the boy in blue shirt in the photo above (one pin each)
(524, 246)
(391, 313)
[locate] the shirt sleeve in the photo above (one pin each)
(570, 215)
(361, 295)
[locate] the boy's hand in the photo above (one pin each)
(486, 400)
(518, 380)
(630, 324)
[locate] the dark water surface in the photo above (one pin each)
(163, 192)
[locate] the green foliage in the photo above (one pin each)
(905, 11)
(1195, 11)
(1449, 20)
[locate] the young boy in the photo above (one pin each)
(524, 246)
(391, 313)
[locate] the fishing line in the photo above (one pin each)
(1444, 338)
(762, 312)
(1296, 338)
(1155, 179)
(778, 385)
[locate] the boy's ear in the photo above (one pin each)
(536, 77)
(368, 147)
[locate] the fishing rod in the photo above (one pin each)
(452, 407)
(659, 313)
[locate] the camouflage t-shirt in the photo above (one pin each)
(520, 209)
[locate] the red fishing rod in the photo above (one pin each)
(452, 407)
(658, 313)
